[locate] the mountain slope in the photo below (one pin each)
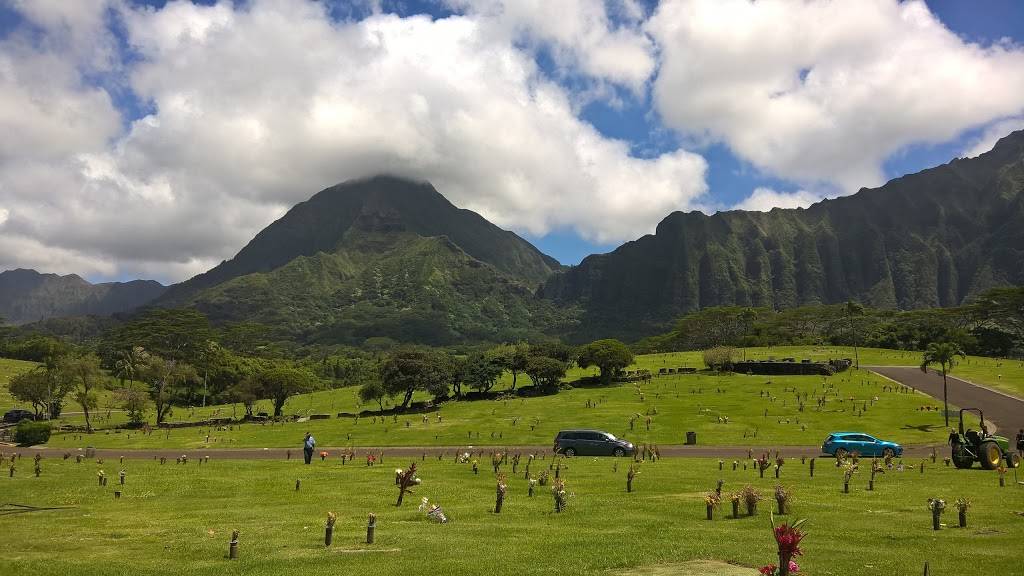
(28, 296)
(384, 204)
(934, 238)
(382, 257)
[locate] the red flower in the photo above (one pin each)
(788, 539)
(768, 570)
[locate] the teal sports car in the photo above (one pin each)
(843, 443)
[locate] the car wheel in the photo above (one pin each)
(618, 453)
(841, 453)
(569, 452)
(888, 453)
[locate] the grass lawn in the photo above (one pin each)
(683, 403)
(176, 519)
(8, 369)
(675, 404)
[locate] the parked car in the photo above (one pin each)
(17, 415)
(591, 443)
(843, 443)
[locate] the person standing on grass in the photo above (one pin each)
(1020, 442)
(307, 447)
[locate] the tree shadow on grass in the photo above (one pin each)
(923, 427)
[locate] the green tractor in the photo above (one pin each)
(982, 447)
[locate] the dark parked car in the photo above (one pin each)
(591, 443)
(847, 442)
(16, 415)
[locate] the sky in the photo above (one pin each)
(154, 139)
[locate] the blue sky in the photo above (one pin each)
(587, 123)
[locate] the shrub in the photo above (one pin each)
(31, 433)
(720, 358)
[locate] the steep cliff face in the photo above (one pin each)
(934, 238)
(28, 296)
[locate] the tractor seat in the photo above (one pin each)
(973, 437)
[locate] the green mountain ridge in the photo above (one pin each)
(934, 238)
(380, 258)
(28, 296)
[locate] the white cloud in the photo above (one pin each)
(764, 199)
(259, 106)
(991, 135)
(580, 33)
(823, 91)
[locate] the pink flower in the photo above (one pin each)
(793, 567)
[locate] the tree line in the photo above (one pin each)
(165, 359)
(990, 325)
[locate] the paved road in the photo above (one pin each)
(674, 451)
(1004, 410)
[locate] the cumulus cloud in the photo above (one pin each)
(257, 106)
(764, 199)
(581, 34)
(991, 135)
(822, 91)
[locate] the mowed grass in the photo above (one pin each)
(8, 369)
(761, 411)
(177, 519)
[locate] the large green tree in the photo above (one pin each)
(84, 375)
(511, 357)
(546, 373)
(33, 388)
(408, 370)
(481, 372)
(167, 381)
(280, 383)
(944, 355)
(609, 355)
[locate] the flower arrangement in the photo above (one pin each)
(787, 538)
(543, 478)
(735, 498)
(773, 570)
(532, 485)
(436, 514)
(937, 506)
(500, 495)
(962, 504)
(781, 497)
(750, 497)
(560, 495)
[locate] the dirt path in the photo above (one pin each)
(1004, 410)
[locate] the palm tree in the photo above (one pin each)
(854, 309)
(943, 354)
(128, 365)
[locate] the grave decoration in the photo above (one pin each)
(962, 504)
(560, 495)
(711, 501)
(937, 506)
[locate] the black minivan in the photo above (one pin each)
(591, 443)
(16, 415)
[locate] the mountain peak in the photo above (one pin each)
(359, 215)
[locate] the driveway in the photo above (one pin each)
(1007, 412)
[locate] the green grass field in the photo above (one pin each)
(675, 404)
(176, 519)
(683, 403)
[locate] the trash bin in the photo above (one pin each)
(691, 437)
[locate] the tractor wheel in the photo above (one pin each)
(1013, 459)
(961, 457)
(990, 455)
